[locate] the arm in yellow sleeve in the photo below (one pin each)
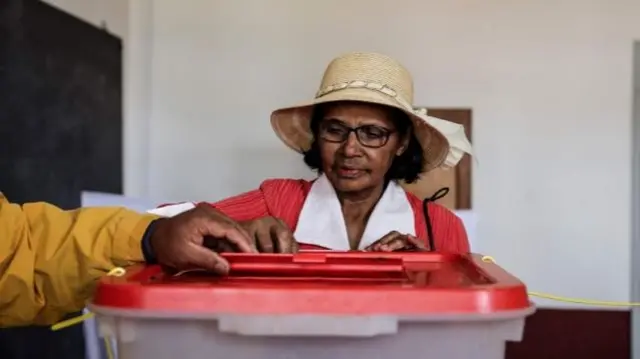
(50, 259)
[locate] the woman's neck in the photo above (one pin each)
(360, 203)
(356, 210)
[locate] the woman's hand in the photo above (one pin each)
(270, 235)
(395, 242)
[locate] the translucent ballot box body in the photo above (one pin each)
(317, 305)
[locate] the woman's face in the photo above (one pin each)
(358, 142)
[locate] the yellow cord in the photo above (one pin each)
(557, 298)
(71, 321)
(107, 346)
(115, 272)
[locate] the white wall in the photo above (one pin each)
(549, 83)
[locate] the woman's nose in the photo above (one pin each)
(351, 145)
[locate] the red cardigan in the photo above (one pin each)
(284, 198)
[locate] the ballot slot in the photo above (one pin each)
(337, 268)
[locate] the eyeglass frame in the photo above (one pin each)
(358, 131)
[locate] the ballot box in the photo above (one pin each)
(317, 305)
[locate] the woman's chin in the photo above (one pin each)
(351, 184)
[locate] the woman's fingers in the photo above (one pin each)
(397, 244)
(264, 240)
(395, 241)
(406, 243)
(282, 237)
(271, 235)
(413, 243)
(380, 244)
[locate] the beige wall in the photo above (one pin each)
(549, 83)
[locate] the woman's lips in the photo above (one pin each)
(346, 172)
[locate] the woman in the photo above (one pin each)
(362, 136)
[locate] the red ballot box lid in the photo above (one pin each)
(323, 283)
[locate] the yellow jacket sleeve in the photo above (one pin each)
(50, 259)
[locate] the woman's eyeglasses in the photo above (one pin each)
(371, 136)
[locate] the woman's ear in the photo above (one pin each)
(403, 145)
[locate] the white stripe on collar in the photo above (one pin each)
(321, 221)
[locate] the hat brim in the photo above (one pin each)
(292, 124)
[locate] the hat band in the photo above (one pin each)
(384, 89)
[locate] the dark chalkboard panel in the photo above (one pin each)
(60, 105)
(60, 129)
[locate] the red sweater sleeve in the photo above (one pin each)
(281, 198)
(243, 207)
(448, 230)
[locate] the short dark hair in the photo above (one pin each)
(408, 166)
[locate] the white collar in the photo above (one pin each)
(172, 209)
(321, 221)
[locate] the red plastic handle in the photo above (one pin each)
(314, 264)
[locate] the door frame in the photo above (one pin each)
(635, 204)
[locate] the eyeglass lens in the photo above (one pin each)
(368, 135)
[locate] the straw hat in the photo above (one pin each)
(373, 78)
